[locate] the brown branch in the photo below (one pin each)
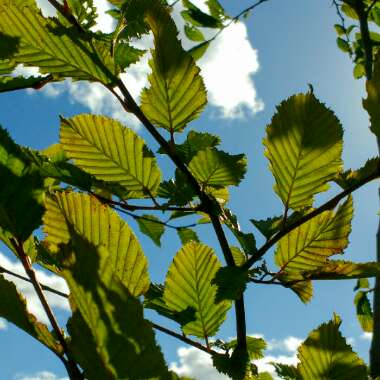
(329, 205)
(71, 365)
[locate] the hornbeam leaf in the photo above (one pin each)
(112, 320)
(286, 372)
(364, 311)
(186, 235)
(111, 152)
(372, 102)
(268, 227)
(188, 284)
(295, 281)
(10, 83)
(45, 44)
(177, 94)
(304, 147)
(255, 347)
(151, 226)
(351, 177)
(154, 299)
(196, 17)
(216, 168)
(308, 246)
(343, 270)
(23, 190)
(326, 355)
(100, 226)
(13, 309)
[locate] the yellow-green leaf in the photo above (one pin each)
(177, 94)
(304, 147)
(325, 354)
(61, 54)
(213, 167)
(13, 309)
(111, 152)
(188, 284)
(364, 311)
(100, 226)
(308, 246)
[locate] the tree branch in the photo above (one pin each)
(72, 367)
(329, 205)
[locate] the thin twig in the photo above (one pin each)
(183, 339)
(329, 205)
(141, 217)
(343, 22)
(71, 364)
(44, 287)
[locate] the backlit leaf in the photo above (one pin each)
(100, 226)
(13, 309)
(151, 226)
(111, 152)
(304, 147)
(177, 94)
(213, 167)
(325, 354)
(188, 284)
(364, 311)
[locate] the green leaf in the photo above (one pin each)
(111, 152)
(325, 354)
(268, 227)
(308, 246)
(372, 102)
(46, 44)
(13, 309)
(126, 55)
(343, 270)
(216, 10)
(188, 284)
(187, 235)
(154, 299)
(304, 147)
(198, 18)
(351, 177)
(362, 283)
(177, 94)
(364, 311)
(343, 45)
(23, 190)
(199, 50)
(340, 30)
(193, 33)
(295, 281)
(122, 341)
(286, 372)
(238, 366)
(126, 258)
(195, 141)
(84, 12)
(231, 282)
(10, 83)
(239, 256)
(216, 168)
(151, 226)
(255, 347)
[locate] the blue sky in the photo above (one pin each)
(294, 44)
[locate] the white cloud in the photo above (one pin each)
(43, 375)
(197, 364)
(33, 302)
(227, 69)
(3, 324)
